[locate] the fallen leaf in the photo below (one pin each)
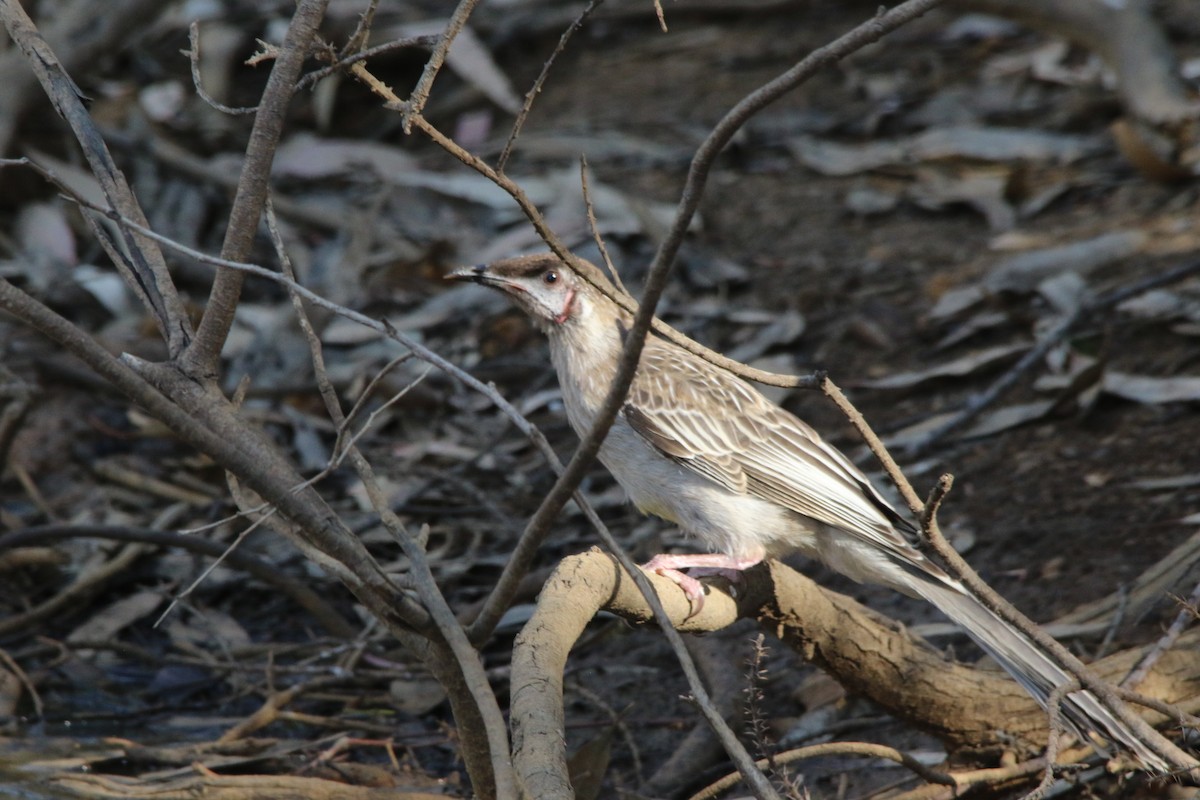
(306, 156)
(1186, 481)
(984, 190)
(959, 367)
(1023, 272)
(106, 622)
(1153, 391)
(588, 765)
(966, 141)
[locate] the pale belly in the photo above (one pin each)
(724, 522)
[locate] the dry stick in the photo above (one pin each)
(193, 54)
(423, 42)
(992, 776)
(1166, 641)
(932, 536)
(536, 89)
(595, 229)
(145, 270)
(1055, 335)
(203, 356)
(468, 658)
(362, 31)
(868, 749)
(420, 93)
(1179, 712)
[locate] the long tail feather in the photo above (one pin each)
(1033, 668)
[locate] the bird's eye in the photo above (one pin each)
(550, 276)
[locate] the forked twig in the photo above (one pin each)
(420, 93)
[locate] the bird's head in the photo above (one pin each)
(552, 293)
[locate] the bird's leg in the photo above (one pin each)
(705, 564)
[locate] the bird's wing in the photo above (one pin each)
(717, 425)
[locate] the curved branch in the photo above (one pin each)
(976, 710)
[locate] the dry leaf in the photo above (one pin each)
(308, 157)
(105, 623)
(978, 143)
(587, 766)
(959, 367)
(1023, 272)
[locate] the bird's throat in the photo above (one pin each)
(567, 308)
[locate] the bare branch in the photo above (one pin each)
(420, 93)
(536, 89)
(203, 354)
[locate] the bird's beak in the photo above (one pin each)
(475, 274)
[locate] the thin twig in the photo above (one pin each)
(1188, 613)
(595, 228)
(362, 31)
(193, 54)
(536, 89)
(424, 42)
(1177, 712)
(420, 93)
(866, 749)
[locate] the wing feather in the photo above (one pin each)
(718, 426)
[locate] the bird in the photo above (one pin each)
(700, 447)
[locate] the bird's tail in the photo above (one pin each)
(1032, 667)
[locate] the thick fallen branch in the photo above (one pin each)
(976, 711)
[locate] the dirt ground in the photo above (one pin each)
(1055, 512)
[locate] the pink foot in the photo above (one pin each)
(669, 567)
